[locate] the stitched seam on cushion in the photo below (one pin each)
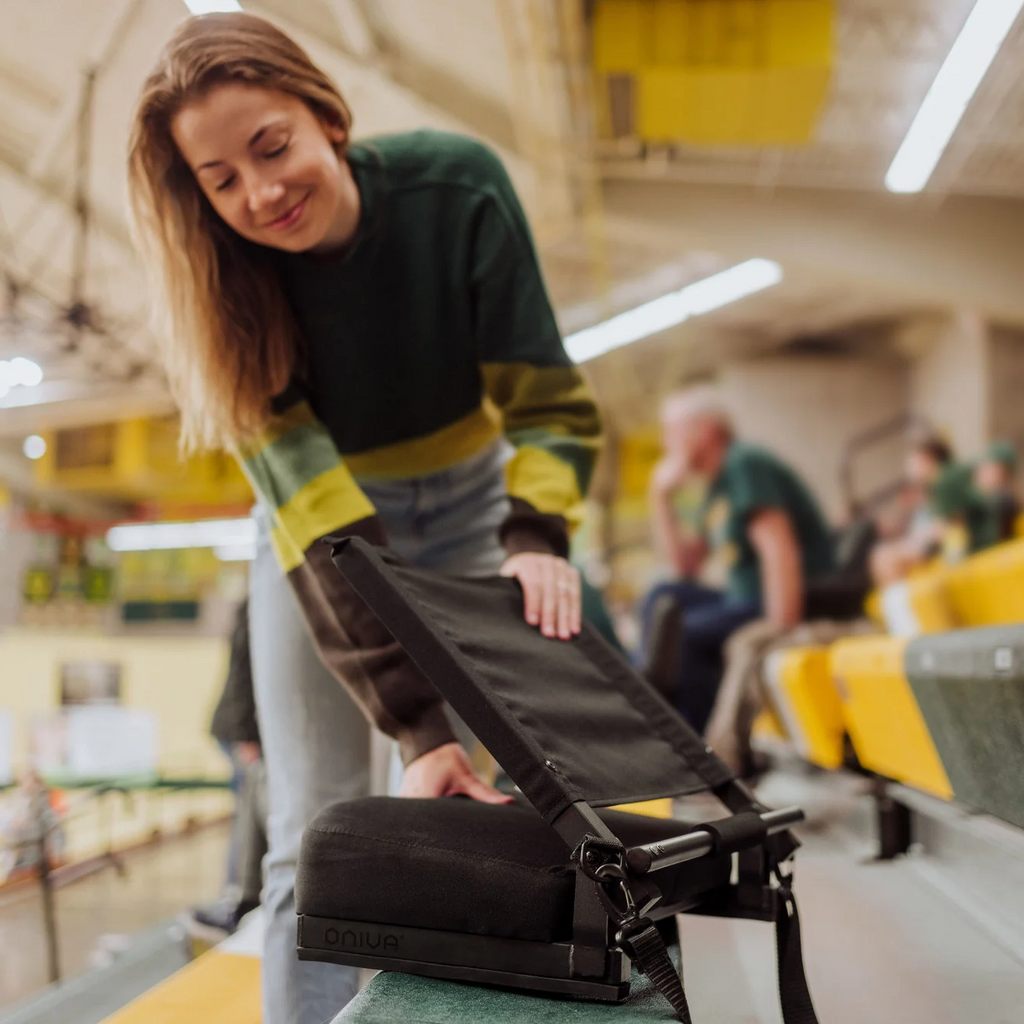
(335, 831)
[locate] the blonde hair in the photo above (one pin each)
(703, 402)
(229, 341)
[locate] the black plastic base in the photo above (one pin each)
(456, 956)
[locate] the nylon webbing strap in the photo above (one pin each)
(646, 948)
(794, 996)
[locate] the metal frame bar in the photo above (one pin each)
(700, 842)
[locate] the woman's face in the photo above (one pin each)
(269, 167)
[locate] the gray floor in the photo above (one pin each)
(882, 945)
(99, 915)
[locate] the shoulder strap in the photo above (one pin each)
(794, 995)
(646, 948)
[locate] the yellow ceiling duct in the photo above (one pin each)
(138, 460)
(713, 72)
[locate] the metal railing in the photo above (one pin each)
(38, 836)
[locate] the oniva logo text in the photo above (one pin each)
(367, 939)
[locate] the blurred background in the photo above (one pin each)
(827, 196)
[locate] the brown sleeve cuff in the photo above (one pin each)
(431, 730)
(352, 642)
(526, 529)
(371, 529)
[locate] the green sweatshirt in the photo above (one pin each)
(429, 337)
(425, 340)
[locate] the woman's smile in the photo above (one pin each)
(290, 218)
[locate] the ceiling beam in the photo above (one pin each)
(965, 252)
(16, 472)
(360, 39)
(102, 47)
(375, 72)
(70, 403)
(28, 88)
(104, 220)
(432, 82)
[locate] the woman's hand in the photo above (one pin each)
(248, 752)
(446, 771)
(551, 592)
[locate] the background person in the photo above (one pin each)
(234, 726)
(758, 518)
(992, 517)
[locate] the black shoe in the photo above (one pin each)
(224, 915)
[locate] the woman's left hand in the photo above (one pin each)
(551, 592)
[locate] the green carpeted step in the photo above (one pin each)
(413, 1000)
(970, 688)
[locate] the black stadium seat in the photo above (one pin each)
(546, 894)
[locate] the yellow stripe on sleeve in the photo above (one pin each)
(327, 503)
(546, 482)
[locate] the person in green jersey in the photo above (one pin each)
(948, 493)
(758, 520)
(978, 499)
(366, 327)
(992, 516)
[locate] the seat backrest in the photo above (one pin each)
(568, 720)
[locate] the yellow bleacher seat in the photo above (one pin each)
(881, 715)
(919, 604)
(873, 607)
(221, 987)
(987, 589)
(768, 726)
(805, 698)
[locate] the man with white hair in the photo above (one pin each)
(758, 519)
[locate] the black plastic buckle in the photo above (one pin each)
(627, 929)
(600, 860)
(785, 886)
(605, 864)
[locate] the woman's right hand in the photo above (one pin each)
(446, 771)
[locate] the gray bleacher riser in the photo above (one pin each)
(970, 688)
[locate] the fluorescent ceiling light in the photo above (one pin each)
(210, 533)
(658, 315)
(212, 6)
(958, 78)
(19, 372)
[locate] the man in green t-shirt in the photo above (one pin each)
(758, 520)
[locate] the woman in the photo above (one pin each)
(366, 326)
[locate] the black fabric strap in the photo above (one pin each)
(794, 996)
(646, 948)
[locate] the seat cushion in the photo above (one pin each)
(455, 864)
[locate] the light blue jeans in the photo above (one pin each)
(315, 739)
